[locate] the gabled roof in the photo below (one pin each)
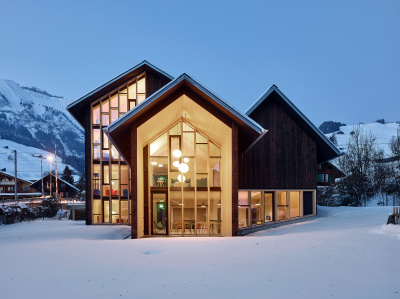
(12, 176)
(61, 180)
(119, 125)
(75, 108)
(326, 149)
(184, 77)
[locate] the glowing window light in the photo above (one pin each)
(183, 168)
(181, 178)
(177, 153)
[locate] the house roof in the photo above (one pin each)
(326, 149)
(12, 176)
(242, 120)
(75, 108)
(72, 186)
(184, 77)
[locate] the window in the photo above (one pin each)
(187, 163)
(110, 183)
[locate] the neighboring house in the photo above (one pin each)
(65, 189)
(327, 173)
(7, 184)
(169, 157)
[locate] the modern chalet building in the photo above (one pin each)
(169, 157)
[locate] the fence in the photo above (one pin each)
(396, 214)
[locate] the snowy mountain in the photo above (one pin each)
(34, 118)
(381, 130)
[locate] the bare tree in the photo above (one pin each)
(383, 178)
(358, 164)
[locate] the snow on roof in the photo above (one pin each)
(72, 186)
(13, 176)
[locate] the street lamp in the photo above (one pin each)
(50, 158)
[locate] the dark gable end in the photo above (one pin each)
(326, 150)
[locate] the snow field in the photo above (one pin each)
(345, 253)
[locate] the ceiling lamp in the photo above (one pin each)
(176, 163)
(177, 153)
(203, 205)
(219, 203)
(186, 159)
(183, 168)
(181, 178)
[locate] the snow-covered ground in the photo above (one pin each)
(345, 253)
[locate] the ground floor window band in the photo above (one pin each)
(260, 207)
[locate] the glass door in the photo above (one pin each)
(159, 214)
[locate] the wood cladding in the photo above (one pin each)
(285, 158)
(154, 82)
(146, 188)
(235, 180)
(134, 200)
(88, 163)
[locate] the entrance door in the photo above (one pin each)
(159, 213)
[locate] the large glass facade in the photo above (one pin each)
(258, 207)
(186, 164)
(110, 174)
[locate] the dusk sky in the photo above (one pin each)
(335, 60)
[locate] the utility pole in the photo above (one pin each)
(51, 174)
(15, 173)
(41, 173)
(15, 162)
(55, 152)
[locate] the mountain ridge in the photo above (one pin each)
(32, 117)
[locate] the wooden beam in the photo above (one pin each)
(235, 180)
(134, 200)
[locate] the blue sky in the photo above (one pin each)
(335, 60)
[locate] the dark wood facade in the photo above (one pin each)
(7, 184)
(284, 158)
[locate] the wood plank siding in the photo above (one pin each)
(87, 125)
(284, 158)
(154, 82)
(235, 180)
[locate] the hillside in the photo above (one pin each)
(34, 118)
(383, 131)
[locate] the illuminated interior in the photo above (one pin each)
(258, 207)
(184, 166)
(110, 173)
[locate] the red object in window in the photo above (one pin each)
(114, 192)
(107, 191)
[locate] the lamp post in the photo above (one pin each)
(50, 158)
